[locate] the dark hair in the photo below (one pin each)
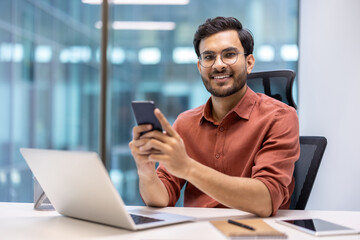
(219, 24)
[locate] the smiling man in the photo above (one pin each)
(238, 150)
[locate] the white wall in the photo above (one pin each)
(329, 97)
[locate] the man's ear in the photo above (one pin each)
(199, 66)
(250, 62)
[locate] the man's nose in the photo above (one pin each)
(219, 64)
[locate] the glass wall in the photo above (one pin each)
(50, 81)
(152, 58)
(49, 84)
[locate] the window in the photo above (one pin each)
(49, 84)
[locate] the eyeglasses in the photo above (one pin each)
(229, 57)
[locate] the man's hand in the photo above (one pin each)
(145, 167)
(169, 146)
(152, 189)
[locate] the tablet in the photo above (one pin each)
(318, 227)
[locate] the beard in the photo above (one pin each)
(218, 90)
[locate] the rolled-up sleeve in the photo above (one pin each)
(172, 184)
(274, 163)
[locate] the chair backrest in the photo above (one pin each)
(311, 152)
(277, 84)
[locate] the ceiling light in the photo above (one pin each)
(43, 54)
(149, 56)
(289, 52)
(266, 53)
(184, 55)
(140, 2)
(139, 25)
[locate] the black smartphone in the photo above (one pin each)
(144, 114)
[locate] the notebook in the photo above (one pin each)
(78, 186)
(261, 230)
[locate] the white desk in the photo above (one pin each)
(20, 221)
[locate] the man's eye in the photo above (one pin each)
(208, 57)
(229, 54)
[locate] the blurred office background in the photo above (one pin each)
(50, 73)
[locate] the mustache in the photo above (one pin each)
(222, 72)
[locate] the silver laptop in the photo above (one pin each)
(78, 186)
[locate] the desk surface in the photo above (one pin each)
(20, 221)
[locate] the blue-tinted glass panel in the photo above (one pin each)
(49, 84)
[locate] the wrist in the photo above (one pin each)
(190, 169)
(147, 176)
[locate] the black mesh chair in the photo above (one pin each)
(277, 84)
(312, 149)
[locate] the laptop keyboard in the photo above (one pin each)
(142, 219)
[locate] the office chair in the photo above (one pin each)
(277, 84)
(311, 152)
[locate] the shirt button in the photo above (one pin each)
(217, 155)
(221, 129)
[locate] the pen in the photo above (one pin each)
(241, 225)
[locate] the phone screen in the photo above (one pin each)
(144, 114)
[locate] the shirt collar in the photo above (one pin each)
(243, 109)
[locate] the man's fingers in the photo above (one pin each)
(140, 142)
(139, 129)
(164, 123)
(158, 158)
(154, 135)
(154, 145)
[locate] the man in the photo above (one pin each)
(238, 150)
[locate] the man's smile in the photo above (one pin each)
(221, 76)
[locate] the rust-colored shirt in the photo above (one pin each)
(258, 138)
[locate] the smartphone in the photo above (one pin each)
(318, 227)
(144, 114)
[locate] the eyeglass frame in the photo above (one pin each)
(221, 56)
